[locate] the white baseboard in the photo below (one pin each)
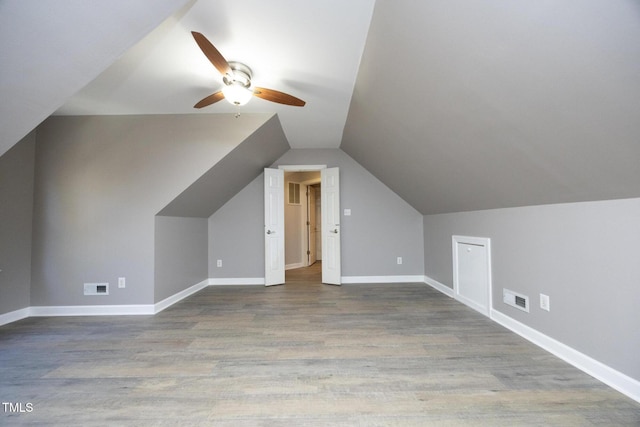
(236, 281)
(168, 302)
(292, 266)
(101, 310)
(614, 379)
(438, 286)
(381, 279)
(14, 316)
(92, 310)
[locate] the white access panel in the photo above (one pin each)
(472, 272)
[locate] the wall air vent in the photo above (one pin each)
(294, 193)
(96, 289)
(515, 299)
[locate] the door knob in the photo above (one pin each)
(335, 231)
(271, 232)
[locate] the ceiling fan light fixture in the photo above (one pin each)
(236, 77)
(237, 85)
(237, 93)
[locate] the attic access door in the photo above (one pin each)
(274, 224)
(472, 272)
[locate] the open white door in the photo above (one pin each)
(331, 272)
(274, 226)
(311, 225)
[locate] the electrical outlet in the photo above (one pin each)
(544, 302)
(219, 263)
(399, 260)
(122, 282)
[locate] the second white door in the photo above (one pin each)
(330, 194)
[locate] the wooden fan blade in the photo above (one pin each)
(211, 99)
(212, 54)
(277, 96)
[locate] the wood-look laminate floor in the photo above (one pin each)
(302, 354)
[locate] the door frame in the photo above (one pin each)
(307, 227)
(476, 241)
(304, 168)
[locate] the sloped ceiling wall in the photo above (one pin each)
(463, 105)
(231, 174)
(50, 49)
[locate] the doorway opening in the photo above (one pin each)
(308, 244)
(302, 217)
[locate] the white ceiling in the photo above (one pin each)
(456, 105)
(310, 50)
(49, 49)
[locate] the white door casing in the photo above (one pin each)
(311, 226)
(330, 194)
(472, 272)
(274, 226)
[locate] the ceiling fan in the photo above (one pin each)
(236, 77)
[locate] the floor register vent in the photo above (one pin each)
(96, 289)
(515, 299)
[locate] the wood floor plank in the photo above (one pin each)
(299, 354)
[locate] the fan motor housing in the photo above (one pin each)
(241, 74)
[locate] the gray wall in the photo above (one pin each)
(583, 255)
(16, 208)
(99, 183)
(235, 234)
(180, 255)
(382, 226)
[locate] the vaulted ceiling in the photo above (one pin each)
(454, 104)
(51, 49)
(462, 105)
